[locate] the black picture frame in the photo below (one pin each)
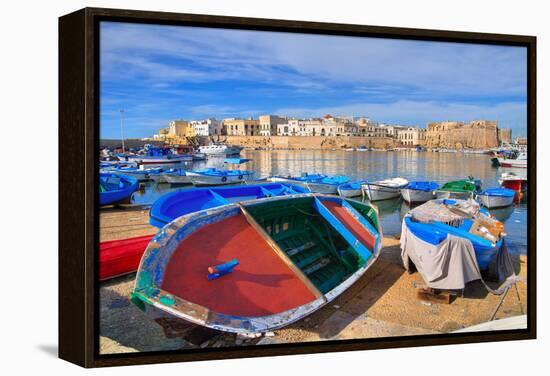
(78, 197)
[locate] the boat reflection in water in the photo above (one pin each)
(502, 214)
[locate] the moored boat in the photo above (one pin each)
(496, 197)
(419, 191)
(518, 160)
(513, 181)
(141, 173)
(185, 201)
(351, 189)
(461, 189)
(176, 176)
(114, 188)
(316, 183)
(288, 257)
(220, 149)
(384, 189)
(212, 176)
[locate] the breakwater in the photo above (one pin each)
(310, 142)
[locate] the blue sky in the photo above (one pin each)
(159, 73)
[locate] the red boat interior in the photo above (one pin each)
(351, 223)
(250, 289)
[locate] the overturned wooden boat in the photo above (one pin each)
(181, 202)
(293, 254)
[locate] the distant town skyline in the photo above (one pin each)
(161, 73)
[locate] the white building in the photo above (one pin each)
(269, 124)
(207, 127)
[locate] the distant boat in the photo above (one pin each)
(461, 189)
(384, 189)
(260, 265)
(184, 201)
(352, 189)
(220, 149)
(142, 174)
(496, 197)
(513, 181)
(235, 160)
(114, 188)
(435, 220)
(156, 156)
(419, 191)
(315, 182)
(518, 161)
(212, 176)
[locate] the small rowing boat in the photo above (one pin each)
(461, 189)
(176, 176)
(120, 257)
(259, 265)
(316, 183)
(384, 189)
(352, 189)
(114, 188)
(513, 181)
(419, 191)
(496, 197)
(184, 201)
(212, 176)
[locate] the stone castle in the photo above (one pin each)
(478, 134)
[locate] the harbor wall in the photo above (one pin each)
(310, 142)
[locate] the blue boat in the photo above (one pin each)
(114, 188)
(496, 197)
(435, 220)
(175, 204)
(213, 176)
(419, 191)
(315, 182)
(235, 160)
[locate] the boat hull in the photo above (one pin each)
(144, 160)
(504, 162)
(379, 193)
(413, 195)
(114, 196)
(176, 179)
(210, 180)
(322, 188)
(120, 257)
(454, 195)
(349, 192)
(495, 201)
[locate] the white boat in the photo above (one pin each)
(520, 161)
(220, 149)
(419, 191)
(213, 176)
(384, 189)
(513, 181)
(176, 176)
(352, 189)
(496, 197)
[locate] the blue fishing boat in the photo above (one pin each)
(435, 220)
(419, 191)
(352, 189)
(235, 160)
(315, 182)
(114, 188)
(213, 176)
(496, 197)
(185, 201)
(155, 155)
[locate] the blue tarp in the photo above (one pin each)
(498, 192)
(424, 186)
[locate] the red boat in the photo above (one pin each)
(120, 257)
(513, 181)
